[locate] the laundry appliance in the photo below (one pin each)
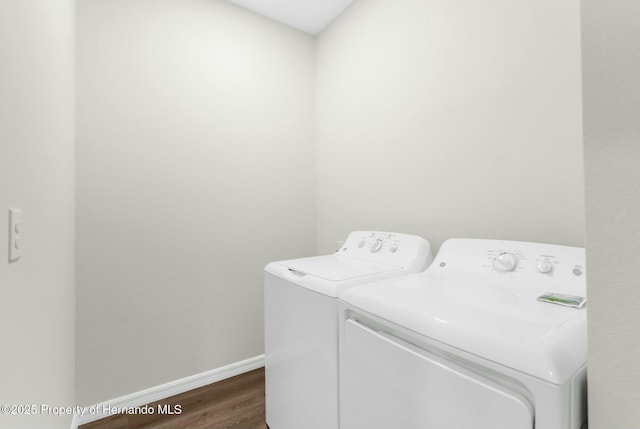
(301, 321)
(492, 336)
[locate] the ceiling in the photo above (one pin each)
(310, 16)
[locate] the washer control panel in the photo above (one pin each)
(378, 241)
(386, 247)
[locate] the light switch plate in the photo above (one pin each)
(15, 233)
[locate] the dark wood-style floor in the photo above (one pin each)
(234, 403)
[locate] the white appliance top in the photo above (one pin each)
(364, 256)
(337, 268)
(481, 296)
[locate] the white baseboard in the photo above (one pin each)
(143, 397)
(74, 422)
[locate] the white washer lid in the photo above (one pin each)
(337, 268)
(509, 327)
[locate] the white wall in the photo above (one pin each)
(611, 66)
(451, 119)
(196, 157)
(36, 175)
(195, 168)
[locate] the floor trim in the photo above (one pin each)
(143, 397)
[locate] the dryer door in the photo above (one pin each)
(386, 383)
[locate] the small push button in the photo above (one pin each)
(544, 267)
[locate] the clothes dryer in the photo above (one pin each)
(492, 336)
(301, 321)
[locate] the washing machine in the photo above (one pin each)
(492, 336)
(301, 321)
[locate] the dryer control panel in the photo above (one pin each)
(387, 247)
(547, 267)
(534, 259)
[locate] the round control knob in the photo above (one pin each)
(505, 262)
(362, 243)
(393, 248)
(544, 267)
(376, 246)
